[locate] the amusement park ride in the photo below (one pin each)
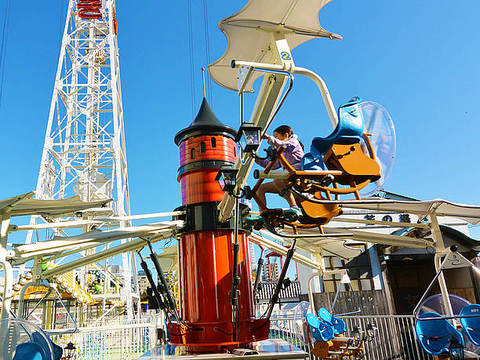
(213, 226)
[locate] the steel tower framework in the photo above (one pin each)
(84, 151)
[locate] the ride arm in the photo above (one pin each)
(262, 116)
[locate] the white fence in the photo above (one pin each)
(112, 342)
(394, 335)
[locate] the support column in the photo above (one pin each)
(439, 254)
(7, 294)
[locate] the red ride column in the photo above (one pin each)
(205, 247)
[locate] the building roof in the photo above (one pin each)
(451, 236)
(205, 123)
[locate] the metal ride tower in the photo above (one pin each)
(84, 151)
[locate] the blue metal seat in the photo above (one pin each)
(471, 325)
(349, 129)
(313, 160)
(437, 336)
(338, 324)
(36, 344)
(320, 330)
(40, 340)
(28, 351)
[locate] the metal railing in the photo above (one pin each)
(113, 342)
(267, 288)
(288, 329)
(394, 335)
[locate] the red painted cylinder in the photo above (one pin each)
(200, 157)
(206, 256)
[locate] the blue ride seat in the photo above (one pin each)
(28, 351)
(338, 324)
(37, 338)
(313, 160)
(320, 330)
(471, 325)
(349, 128)
(437, 336)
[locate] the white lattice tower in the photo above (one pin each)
(84, 151)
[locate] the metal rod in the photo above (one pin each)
(278, 287)
(282, 100)
(235, 277)
(241, 108)
(149, 276)
(170, 301)
(203, 80)
(36, 305)
(300, 71)
(267, 169)
(295, 236)
(439, 271)
(258, 274)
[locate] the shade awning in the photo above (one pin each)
(97, 238)
(25, 205)
(439, 207)
(249, 34)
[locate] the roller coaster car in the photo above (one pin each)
(344, 158)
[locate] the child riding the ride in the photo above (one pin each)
(293, 153)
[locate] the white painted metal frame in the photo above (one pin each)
(294, 70)
(84, 150)
(281, 64)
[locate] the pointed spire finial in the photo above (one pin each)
(203, 79)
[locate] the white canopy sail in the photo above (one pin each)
(439, 207)
(249, 34)
(25, 205)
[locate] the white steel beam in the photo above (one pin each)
(126, 247)
(84, 150)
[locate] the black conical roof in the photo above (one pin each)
(205, 123)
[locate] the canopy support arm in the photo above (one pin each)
(440, 247)
(322, 86)
(7, 294)
(125, 247)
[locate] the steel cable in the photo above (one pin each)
(207, 49)
(190, 54)
(3, 47)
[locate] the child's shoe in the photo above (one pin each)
(292, 214)
(256, 221)
(253, 218)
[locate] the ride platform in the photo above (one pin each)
(266, 350)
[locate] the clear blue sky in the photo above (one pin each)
(417, 58)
